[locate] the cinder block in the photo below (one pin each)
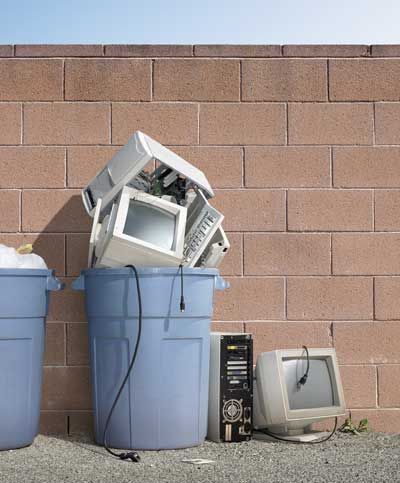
(250, 299)
(341, 50)
(382, 420)
(67, 123)
(67, 305)
(385, 50)
(269, 336)
(329, 298)
(287, 254)
(32, 167)
(366, 167)
(359, 385)
(246, 123)
(6, 51)
(31, 80)
(388, 385)
(366, 254)
(54, 211)
(196, 80)
(386, 123)
(233, 261)
(84, 162)
(227, 326)
(10, 123)
(61, 50)
(367, 342)
(150, 50)
(66, 388)
(330, 123)
(284, 80)
(108, 80)
(168, 123)
(237, 50)
(10, 210)
(55, 344)
(76, 253)
(330, 210)
(53, 422)
(221, 165)
(387, 296)
(387, 206)
(287, 167)
(252, 210)
(50, 247)
(77, 344)
(81, 422)
(364, 79)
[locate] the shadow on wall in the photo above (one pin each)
(63, 226)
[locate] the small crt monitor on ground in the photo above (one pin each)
(285, 404)
(141, 229)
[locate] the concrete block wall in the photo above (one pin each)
(302, 145)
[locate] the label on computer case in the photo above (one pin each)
(236, 397)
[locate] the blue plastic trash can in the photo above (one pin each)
(165, 401)
(24, 301)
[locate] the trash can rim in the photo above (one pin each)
(24, 272)
(150, 271)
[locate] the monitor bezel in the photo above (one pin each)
(127, 195)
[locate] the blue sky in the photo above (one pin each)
(207, 21)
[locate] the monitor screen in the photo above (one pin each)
(317, 392)
(150, 224)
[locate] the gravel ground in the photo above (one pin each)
(370, 457)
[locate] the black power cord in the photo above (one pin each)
(279, 438)
(131, 455)
(182, 303)
(304, 378)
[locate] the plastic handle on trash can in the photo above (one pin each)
(54, 284)
(221, 284)
(79, 283)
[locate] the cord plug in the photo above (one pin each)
(182, 304)
(133, 456)
(302, 380)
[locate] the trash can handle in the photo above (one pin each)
(221, 283)
(53, 283)
(79, 283)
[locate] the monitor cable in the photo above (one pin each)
(182, 302)
(275, 436)
(131, 455)
(304, 378)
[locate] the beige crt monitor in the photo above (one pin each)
(285, 407)
(127, 165)
(141, 229)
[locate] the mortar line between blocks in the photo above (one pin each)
(377, 386)
(331, 164)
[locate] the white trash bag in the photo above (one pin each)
(20, 258)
